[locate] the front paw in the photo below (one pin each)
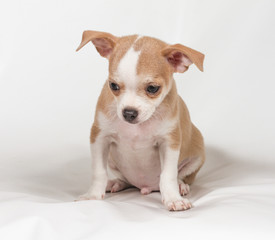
(177, 204)
(91, 196)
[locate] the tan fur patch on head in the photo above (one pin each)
(151, 62)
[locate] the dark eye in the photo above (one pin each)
(152, 89)
(114, 86)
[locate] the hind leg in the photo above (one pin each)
(188, 172)
(183, 187)
(116, 185)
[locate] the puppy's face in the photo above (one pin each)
(139, 78)
(140, 71)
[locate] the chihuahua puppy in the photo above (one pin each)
(142, 130)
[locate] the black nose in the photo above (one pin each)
(129, 114)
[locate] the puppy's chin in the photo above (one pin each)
(134, 122)
(137, 121)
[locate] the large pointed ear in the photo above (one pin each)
(104, 42)
(181, 57)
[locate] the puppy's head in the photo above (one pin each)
(140, 70)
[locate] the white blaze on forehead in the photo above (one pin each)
(127, 68)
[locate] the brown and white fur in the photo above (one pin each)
(146, 139)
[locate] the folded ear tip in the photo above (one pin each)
(81, 45)
(78, 48)
(202, 60)
(200, 67)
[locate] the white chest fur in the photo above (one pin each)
(134, 149)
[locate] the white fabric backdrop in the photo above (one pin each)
(48, 94)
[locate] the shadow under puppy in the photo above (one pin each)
(142, 128)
